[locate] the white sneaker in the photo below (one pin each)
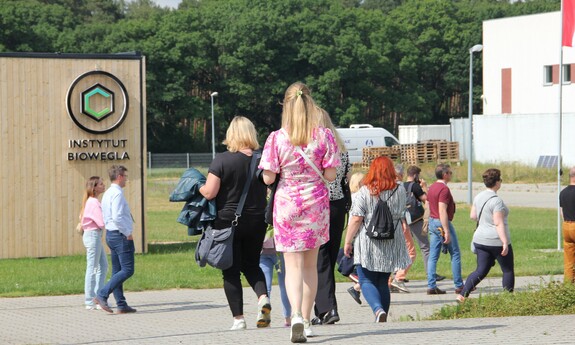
(90, 307)
(307, 329)
(297, 333)
(239, 324)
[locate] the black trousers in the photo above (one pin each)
(486, 257)
(248, 240)
(325, 297)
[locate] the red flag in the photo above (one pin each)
(568, 23)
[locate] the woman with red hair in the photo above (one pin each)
(375, 259)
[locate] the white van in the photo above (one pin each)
(359, 136)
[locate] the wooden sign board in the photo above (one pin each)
(63, 119)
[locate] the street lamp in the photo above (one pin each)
(475, 49)
(212, 95)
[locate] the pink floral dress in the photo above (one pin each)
(301, 204)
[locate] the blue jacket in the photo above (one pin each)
(198, 212)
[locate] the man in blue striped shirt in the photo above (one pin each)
(119, 224)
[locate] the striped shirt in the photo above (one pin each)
(374, 254)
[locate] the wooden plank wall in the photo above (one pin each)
(40, 189)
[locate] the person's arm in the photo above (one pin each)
(212, 187)
(562, 217)
(444, 219)
(473, 213)
(499, 223)
(352, 228)
(330, 174)
(269, 177)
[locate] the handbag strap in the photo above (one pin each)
(246, 188)
(311, 164)
(480, 212)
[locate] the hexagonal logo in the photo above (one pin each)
(98, 102)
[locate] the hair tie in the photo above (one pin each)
(298, 93)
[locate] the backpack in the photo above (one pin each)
(381, 225)
(414, 206)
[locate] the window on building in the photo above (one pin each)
(567, 74)
(548, 75)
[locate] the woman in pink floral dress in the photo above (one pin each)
(301, 204)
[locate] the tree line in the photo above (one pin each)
(383, 62)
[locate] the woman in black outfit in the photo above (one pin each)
(325, 302)
(225, 182)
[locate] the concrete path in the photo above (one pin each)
(203, 317)
(524, 195)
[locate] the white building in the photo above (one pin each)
(521, 66)
(520, 121)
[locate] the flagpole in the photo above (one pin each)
(559, 134)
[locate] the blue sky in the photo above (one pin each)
(168, 3)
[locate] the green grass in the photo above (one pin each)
(170, 262)
(552, 299)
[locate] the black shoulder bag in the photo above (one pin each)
(216, 246)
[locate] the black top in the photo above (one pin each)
(232, 169)
(416, 189)
(567, 203)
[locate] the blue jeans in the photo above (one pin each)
(375, 288)
(435, 243)
(267, 264)
(96, 264)
(122, 251)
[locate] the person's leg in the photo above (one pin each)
(126, 259)
(369, 282)
(267, 263)
(90, 283)
(283, 292)
(485, 260)
(113, 241)
(322, 300)
(383, 288)
(309, 282)
(400, 275)
(435, 241)
(569, 252)
(422, 240)
(102, 261)
(455, 253)
(232, 280)
(507, 267)
(253, 233)
(294, 262)
(325, 300)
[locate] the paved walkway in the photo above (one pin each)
(543, 195)
(202, 317)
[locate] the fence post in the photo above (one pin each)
(188, 160)
(150, 163)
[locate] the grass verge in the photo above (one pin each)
(553, 299)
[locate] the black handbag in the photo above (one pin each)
(216, 246)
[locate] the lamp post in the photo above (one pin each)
(475, 49)
(212, 95)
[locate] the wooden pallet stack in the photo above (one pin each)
(447, 151)
(412, 154)
(371, 153)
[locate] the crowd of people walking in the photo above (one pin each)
(307, 166)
